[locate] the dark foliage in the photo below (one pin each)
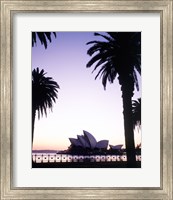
(44, 37)
(44, 93)
(118, 55)
(136, 110)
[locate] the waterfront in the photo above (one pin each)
(44, 160)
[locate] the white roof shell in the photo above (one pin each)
(83, 141)
(91, 139)
(103, 144)
(88, 141)
(116, 146)
(75, 142)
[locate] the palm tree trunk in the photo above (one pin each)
(33, 122)
(127, 93)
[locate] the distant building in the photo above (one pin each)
(117, 149)
(87, 143)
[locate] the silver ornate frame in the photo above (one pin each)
(8, 9)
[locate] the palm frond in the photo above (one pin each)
(44, 91)
(136, 80)
(109, 39)
(44, 37)
(136, 112)
(122, 51)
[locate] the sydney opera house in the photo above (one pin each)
(87, 143)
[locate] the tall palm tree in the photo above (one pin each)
(44, 37)
(136, 111)
(118, 55)
(44, 93)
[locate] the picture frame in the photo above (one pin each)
(8, 191)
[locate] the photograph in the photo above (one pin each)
(86, 99)
(71, 89)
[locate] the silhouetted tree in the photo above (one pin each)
(44, 37)
(136, 110)
(119, 55)
(44, 93)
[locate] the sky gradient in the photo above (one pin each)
(82, 102)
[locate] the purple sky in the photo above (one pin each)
(82, 102)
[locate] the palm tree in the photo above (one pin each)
(44, 37)
(136, 111)
(118, 55)
(44, 93)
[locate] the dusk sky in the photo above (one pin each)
(82, 102)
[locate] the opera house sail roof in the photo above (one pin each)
(116, 147)
(87, 140)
